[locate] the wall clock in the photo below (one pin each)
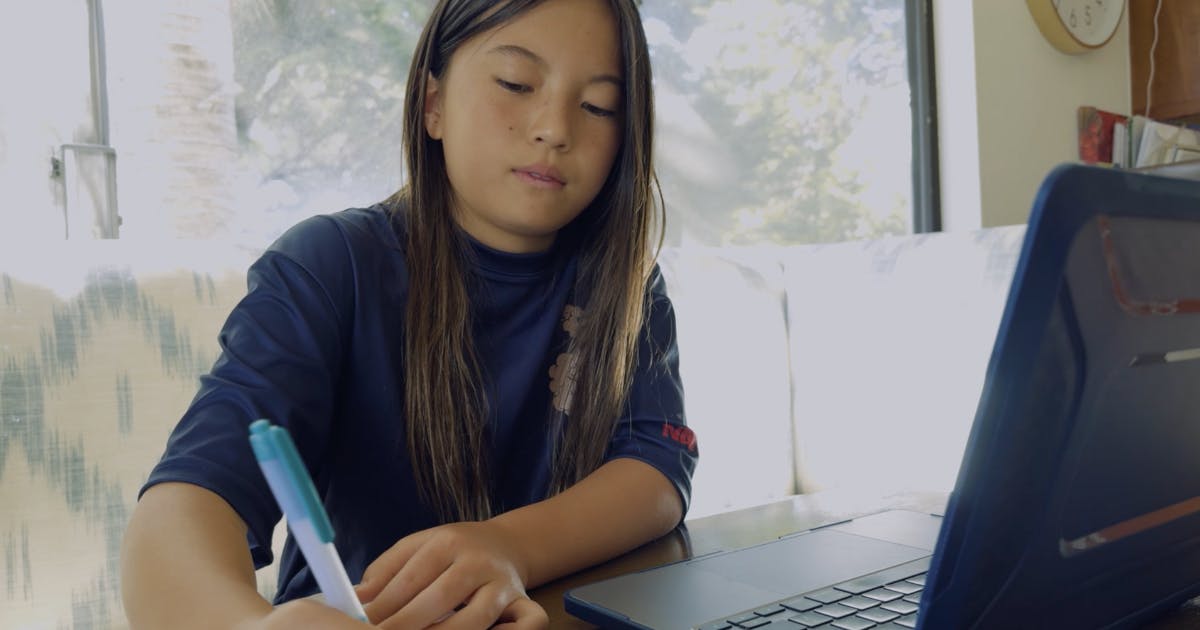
(1077, 26)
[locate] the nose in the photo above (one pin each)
(551, 124)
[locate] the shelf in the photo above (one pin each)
(1175, 93)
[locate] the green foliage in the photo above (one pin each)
(781, 85)
(766, 108)
(321, 89)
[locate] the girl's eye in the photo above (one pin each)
(516, 88)
(598, 111)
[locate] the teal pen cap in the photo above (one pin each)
(273, 446)
(260, 442)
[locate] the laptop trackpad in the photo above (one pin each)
(809, 562)
(689, 593)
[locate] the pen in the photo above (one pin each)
(293, 489)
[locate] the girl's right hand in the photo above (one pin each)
(304, 613)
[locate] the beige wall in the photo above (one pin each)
(1024, 98)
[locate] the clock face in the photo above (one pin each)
(1091, 22)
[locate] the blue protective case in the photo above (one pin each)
(1076, 505)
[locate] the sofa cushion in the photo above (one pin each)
(101, 345)
(734, 365)
(889, 341)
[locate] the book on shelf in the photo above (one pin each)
(1096, 134)
(1120, 145)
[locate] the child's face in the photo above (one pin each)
(530, 123)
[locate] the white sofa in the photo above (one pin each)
(807, 367)
(848, 365)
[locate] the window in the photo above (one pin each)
(783, 121)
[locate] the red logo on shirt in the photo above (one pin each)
(683, 435)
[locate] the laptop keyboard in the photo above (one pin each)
(887, 600)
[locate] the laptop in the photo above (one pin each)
(1077, 503)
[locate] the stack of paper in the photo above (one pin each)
(1163, 143)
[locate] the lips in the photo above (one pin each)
(544, 174)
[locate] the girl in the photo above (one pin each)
(480, 373)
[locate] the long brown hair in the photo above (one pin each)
(445, 402)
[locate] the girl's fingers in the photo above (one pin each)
(381, 571)
(409, 579)
(450, 578)
(523, 614)
(446, 593)
(484, 608)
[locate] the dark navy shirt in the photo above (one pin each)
(317, 346)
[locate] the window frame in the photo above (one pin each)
(108, 226)
(922, 82)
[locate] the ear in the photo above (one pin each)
(433, 107)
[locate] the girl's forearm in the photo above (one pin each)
(184, 562)
(622, 505)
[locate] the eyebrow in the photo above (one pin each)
(524, 53)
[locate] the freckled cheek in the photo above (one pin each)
(495, 116)
(606, 149)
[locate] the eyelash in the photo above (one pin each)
(517, 88)
(598, 111)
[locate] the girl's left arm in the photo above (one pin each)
(481, 569)
(623, 504)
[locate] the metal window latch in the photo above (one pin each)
(107, 221)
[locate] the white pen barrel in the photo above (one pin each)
(326, 567)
